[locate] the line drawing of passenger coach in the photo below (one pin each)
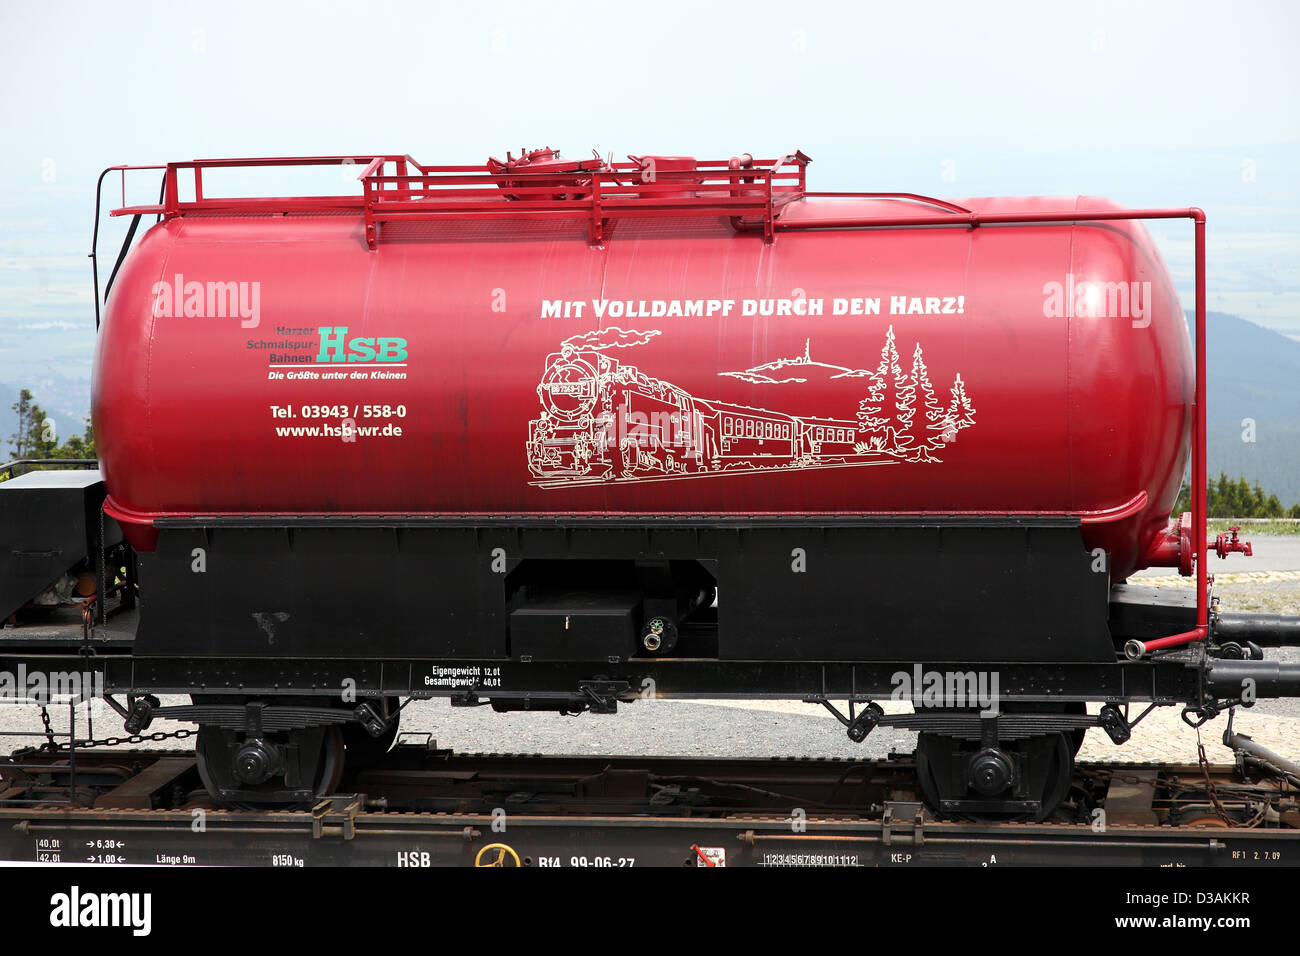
(603, 420)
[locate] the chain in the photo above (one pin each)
(1210, 788)
(49, 731)
(116, 741)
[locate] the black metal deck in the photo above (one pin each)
(427, 807)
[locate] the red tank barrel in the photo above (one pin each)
(548, 337)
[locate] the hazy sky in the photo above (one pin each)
(90, 84)
(1150, 104)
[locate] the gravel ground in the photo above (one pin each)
(735, 729)
(1278, 597)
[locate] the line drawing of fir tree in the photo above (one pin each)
(925, 417)
(904, 414)
(960, 413)
(878, 411)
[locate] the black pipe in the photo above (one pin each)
(1228, 679)
(1266, 630)
(1261, 755)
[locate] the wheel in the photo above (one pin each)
(365, 752)
(1076, 736)
(259, 769)
(1060, 773)
(949, 769)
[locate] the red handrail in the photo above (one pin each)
(413, 191)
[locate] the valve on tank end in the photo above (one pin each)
(1228, 542)
(1174, 547)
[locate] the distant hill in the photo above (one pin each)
(1253, 372)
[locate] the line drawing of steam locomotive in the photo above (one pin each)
(603, 420)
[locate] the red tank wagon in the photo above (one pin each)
(555, 434)
(504, 367)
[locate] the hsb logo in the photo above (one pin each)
(335, 346)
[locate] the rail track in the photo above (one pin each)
(424, 806)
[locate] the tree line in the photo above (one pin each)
(1236, 498)
(37, 437)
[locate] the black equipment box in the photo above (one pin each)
(576, 626)
(49, 522)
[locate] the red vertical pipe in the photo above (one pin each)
(1199, 533)
(1199, 446)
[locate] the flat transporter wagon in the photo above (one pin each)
(555, 435)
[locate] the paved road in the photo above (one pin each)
(1271, 553)
(1279, 552)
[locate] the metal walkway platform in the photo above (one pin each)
(427, 807)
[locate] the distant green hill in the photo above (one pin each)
(1253, 372)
